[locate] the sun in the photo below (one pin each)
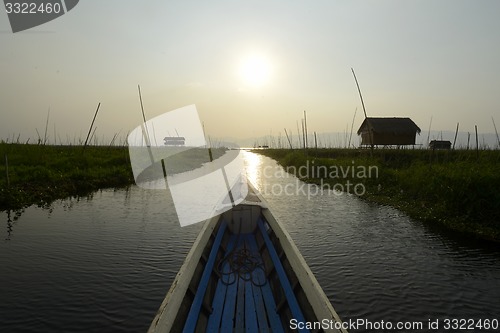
(255, 70)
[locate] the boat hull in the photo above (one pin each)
(209, 292)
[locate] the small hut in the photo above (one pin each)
(439, 144)
(174, 141)
(388, 131)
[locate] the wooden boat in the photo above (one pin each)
(245, 274)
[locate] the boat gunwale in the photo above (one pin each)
(166, 314)
(322, 307)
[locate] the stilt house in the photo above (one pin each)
(388, 131)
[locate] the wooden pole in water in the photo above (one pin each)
(210, 156)
(148, 142)
(46, 127)
(454, 140)
(429, 132)
(305, 129)
(346, 144)
(145, 134)
(91, 125)
(303, 135)
(315, 141)
(298, 134)
(352, 126)
(92, 137)
(113, 140)
(38, 134)
(496, 132)
(142, 106)
(477, 143)
(288, 138)
(364, 109)
(468, 140)
(359, 91)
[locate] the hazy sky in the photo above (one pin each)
(412, 58)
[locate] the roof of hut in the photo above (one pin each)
(390, 125)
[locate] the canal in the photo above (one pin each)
(104, 263)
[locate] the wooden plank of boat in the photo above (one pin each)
(244, 273)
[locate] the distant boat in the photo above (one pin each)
(244, 273)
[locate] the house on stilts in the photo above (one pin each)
(378, 131)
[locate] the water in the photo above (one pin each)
(104, 264)
(97, 265)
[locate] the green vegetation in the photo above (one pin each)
(455, 189)
(39, 174)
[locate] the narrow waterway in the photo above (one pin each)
(104, 263)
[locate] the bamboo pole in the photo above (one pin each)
(303, 135)
(359, 91)
(496, 132)
(114, 138)
(46, 127)
(289, 142)
(305, 130)
(298, 134)
(364, 110)
(91, 125)
(477, 143)
(92, 137)
(346, 144)
(429, 132)
(145, 133)
(38, 134)
(454, 140)
(352, 126)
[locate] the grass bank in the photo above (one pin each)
(455, 189)
(39, 174)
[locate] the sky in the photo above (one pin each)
(252, 67)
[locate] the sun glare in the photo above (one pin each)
(255, 70)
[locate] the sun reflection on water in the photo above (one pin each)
(253, 164)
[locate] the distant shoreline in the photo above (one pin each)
(454, 189)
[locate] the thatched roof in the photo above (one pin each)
(389, 125)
